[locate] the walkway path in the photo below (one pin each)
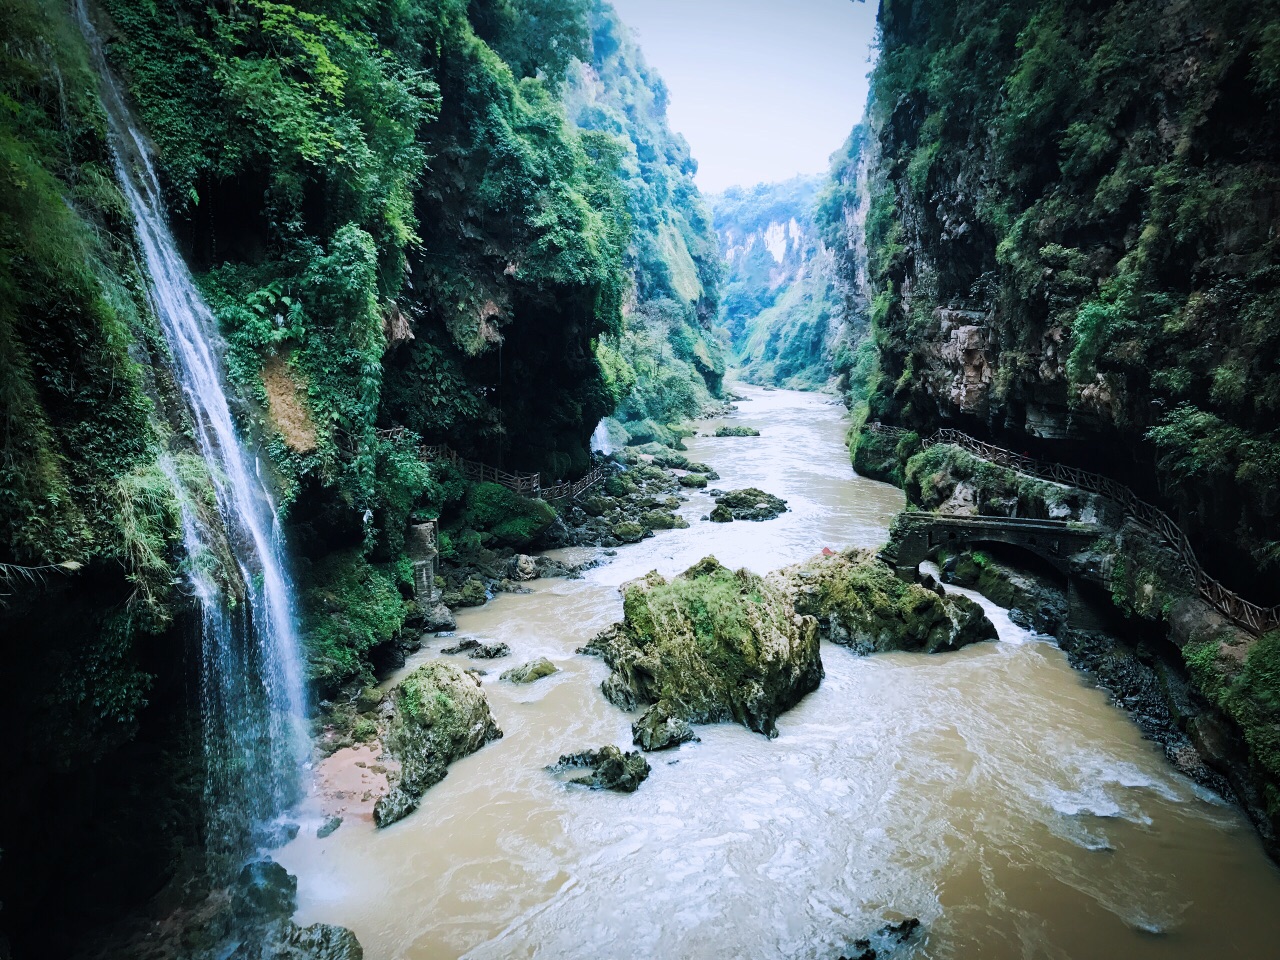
(527, 484)
(1248, 615)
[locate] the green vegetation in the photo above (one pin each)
(663, 365)
(709, 646)
(349, 607)
(362, 288)
(782, 305)
(1089, 182)
(870, 609)
(79, 476)
(499, 517)
(1249, 694)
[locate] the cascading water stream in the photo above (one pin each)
(251, 680)
(600, 441)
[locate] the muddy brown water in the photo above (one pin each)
(993, 793)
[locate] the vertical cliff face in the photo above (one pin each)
(1073, 244)
(665, 364)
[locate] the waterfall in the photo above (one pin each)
(251, 685)
(600, 441)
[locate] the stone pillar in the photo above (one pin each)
(420, 545)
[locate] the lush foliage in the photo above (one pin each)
(664, 365)
(404, 241)
(782, 305)
(1094, 182)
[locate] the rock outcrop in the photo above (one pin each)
(709, 646)
(607, 769)
(531, 671)
(861, 604)
(750, 503)
(439, 715)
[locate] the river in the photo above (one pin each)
(993, 792)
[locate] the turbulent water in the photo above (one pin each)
(993, 793)
(251, 684)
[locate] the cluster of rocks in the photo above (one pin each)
(714, 645)
(750, 503)
(608, 768)
(249, 919)
(472, 579)
(887, 938)
(628, 507)
(478, 650)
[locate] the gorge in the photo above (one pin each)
(430, 525)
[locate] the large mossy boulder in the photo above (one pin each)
(861, 604)
(439, 715)
(709, 646)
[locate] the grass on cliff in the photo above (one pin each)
(1249, 695)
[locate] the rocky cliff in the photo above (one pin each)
(1073, 246)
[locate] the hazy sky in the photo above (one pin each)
(761, 89)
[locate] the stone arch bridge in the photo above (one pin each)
(1066, 546)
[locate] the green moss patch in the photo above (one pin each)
(709, 646)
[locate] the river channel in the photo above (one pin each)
(993, 793)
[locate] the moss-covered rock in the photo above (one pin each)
(694, 480)
(609, 769)
(863, 605)
(503, 517)
(628, 532)
(710, 646)
(439, 715)
(737, 432)
(750, 503)
(720, 514)
(531, 671)
(472, 593)
(619, 486)
(663, 520)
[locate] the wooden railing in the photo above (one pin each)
(1243, 613)
(526, 484)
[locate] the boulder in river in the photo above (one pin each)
(655, 730)
(531, 671)
(438, 617)
(476, 650)
(750, 503)
(737, 432)
(628, 531)
(608, 769)
(709, 646)
(439, 715)
(862, 605)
